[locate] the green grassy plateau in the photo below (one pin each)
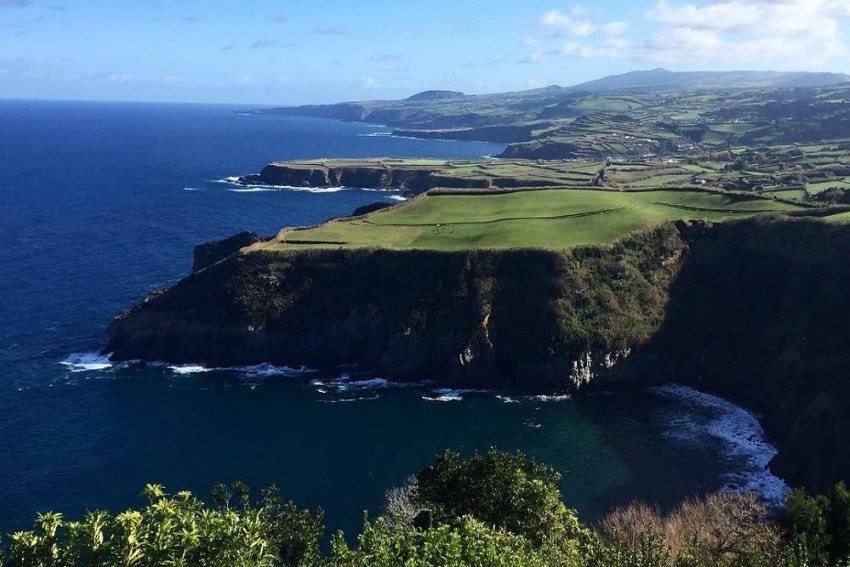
(552, 219)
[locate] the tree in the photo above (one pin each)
(504, 490)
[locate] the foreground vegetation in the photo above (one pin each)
(493, 509)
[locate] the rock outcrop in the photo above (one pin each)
(368, 176)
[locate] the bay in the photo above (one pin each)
(100, 203)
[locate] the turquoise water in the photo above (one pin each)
(102, 202)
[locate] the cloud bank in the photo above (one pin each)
(778, 33)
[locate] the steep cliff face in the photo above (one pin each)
(546, 149)
(377, 177)
(760, 313)
(526, 319)
(755, 310)
(409, 179)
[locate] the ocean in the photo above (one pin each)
(101, 203)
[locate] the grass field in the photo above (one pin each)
(553, 219)
(815, 188)
(840, 217)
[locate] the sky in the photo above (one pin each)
(318, 51)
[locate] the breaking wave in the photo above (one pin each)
(740, 434)
(87, 362)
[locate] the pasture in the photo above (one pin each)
(552, 219)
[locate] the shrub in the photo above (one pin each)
(719, 529)
(504, 490)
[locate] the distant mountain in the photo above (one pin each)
(662, 79)
(436, 95)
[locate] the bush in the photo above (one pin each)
(719, 529)
(818, 527)
(174, 530)
(504, 490)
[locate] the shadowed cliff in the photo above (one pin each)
(760, 313)
(532, 320)
(755, 310)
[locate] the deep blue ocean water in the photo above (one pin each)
(102, 202)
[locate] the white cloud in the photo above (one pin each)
(569, 25)
(763, 17)
(784, 34)
(802, 33)
(369, 83)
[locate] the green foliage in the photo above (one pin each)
(489, 510)
(504, 490)
(466, 542)
(176, 530)
(818, 527)
(296, 532)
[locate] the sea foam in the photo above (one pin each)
(87, 361)
(188, 368)
(741, 437)
(277, 188)
(451, 395)
(444, 395)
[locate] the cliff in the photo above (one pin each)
(755, 310)
(365, 174)
(530, 320)
(760, 314)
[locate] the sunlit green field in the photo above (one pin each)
(815, 188)
(554, 219)
(840, 217)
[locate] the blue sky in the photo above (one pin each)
(289, 52)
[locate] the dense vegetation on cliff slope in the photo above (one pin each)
(488, 510)
(515, 318)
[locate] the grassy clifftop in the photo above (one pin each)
(554, 219)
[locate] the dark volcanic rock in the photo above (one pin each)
(369, 177)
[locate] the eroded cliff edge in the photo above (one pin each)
(755, 310)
